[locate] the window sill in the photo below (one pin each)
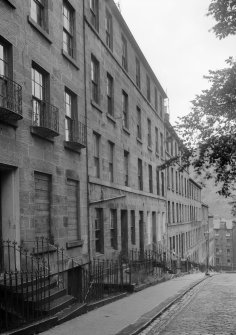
(95, 105)
(139, 140)
(74, 244)
(126, 130)
(149, 148)
(43, 32)
(12, 3)
(111, 118)
(70, 59)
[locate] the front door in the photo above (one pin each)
(154, 230)
(1, 248)
(182, 245)
(141, 232)
(124, 232)
(42, 205)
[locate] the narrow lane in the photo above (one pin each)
(208, 309)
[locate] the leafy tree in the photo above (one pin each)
(209, 130)
(224, 12)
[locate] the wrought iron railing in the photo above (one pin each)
(30, 271)
(25, 284)
(10, 95)
(45, 115)
(15, 257)
(103, 278)
(76, 133)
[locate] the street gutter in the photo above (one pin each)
(145, 320)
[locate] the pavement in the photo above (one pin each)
(132, 313)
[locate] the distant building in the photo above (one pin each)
(225, 245)
(187, 217)
(211, 240)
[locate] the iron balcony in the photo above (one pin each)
(45, 121)
(10, 100)
(76, 138)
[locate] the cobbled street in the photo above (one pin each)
(207, 309)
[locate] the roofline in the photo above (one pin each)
(171, 128)
(194, 182)
(137, 48)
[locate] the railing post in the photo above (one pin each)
(9, 255)
(26, 259)
(5, 298)
(14, 243)
(130, 269)
(121, 274)
(62, 259)
(58, 266)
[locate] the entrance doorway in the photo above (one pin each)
(124, 232)
(42, 205)
(154, 230)
(1, 247)
(141, 232)
(182, 245)
(9, 210)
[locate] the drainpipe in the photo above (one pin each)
(86, 125)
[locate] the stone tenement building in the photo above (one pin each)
(43, 187)
(187, 217)
(83, 132)
(225, 240)
(125, 106)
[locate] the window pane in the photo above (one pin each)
(94, 13)
(92, 71)
(67, 43)
(2, 72)
(108, 25)
(68, 129)
(67, 18)
(125, 110)
(37, 11)
(96, 145)
(1, 52)
(110, 152)
(109, 86)
(68, 104)
(37, 84)
(36, 112)
(33, 10)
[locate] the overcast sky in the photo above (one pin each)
(174, 37)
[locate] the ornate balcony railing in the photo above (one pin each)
(45, 119)
(10, 100)
(75, 135)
